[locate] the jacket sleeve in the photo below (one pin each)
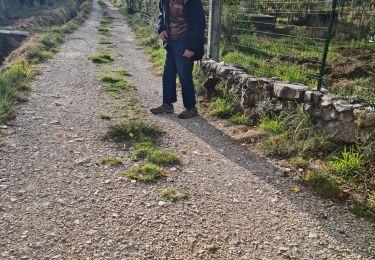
(197, 28)
(161, 22)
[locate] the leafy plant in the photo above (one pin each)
(145, 173)
(351, 162)
(222, 107)
(272, 125)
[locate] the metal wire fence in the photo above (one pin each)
(284, 39)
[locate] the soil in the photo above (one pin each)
(57, 201)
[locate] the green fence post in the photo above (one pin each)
(327, 43)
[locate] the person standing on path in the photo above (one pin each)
(181, 27)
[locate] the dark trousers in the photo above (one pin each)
(176, 64)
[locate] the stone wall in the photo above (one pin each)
(344, 117)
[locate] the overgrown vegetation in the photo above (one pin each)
(14, 80)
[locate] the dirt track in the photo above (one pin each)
(56, 201)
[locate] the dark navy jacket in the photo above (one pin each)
(196, 22)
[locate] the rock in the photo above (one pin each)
(162, 203)
(343, 105)
(107, 181)
(3, 187)
(289, 91)
(326, 101)
(83, 161)
(133, 181)
(364, 118)
(346, 116)
(330, 114)
(55, 122)
(346, 132)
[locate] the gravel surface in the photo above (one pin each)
(58, 202)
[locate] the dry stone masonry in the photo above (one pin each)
(344, 117)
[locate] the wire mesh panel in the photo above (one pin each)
(274, 38)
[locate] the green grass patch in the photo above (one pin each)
(105, 117)
(105, 42)
(102, 57)
(272, 125)
(111, 161)
(222, 107)
(13, 82)
(114, 81)
(174, 195)
(145, 173)
(135, 131)
(323, 184)
(241, 119)
(299, 162)
(154, 155)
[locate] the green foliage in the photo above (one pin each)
(272, 125)
(351, 162)
(111, 161)
(102, 57)
(222, 107)
(241, 119)
(12, 82)
(135, 131)
(174, 195)
(299, 161)
(325, 186)
(155, 156)
(114, 81)
(145, 173)
(105, 117)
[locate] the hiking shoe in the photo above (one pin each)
(162, 109)
(188, 113)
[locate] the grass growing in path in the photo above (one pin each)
(155, 156)
(145, 173)
(135, 131)
(105, 117)
(102, 57)
(111, 161)
(174, 195)
(114, 81)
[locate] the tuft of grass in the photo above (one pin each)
(135, 131)
(222, 107)
(111, 161)
(272, 125)
(46, 48)
(351, 162)
(102, 57)
(241, 119)
(105, 117)
(115, 83)
(325, 186)
(174, 195)
(300, 162)
(155, 156)
(105, 42)
(145, 173)
(13, 81)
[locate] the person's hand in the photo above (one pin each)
(163, 36)
(188, 53)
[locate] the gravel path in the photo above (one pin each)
(56, 201)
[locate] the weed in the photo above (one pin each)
(12, 82)
(241, 119)
(300, 162)
(351, 162)
(105, 42)
(272, 125)
(115, 83)
(155, 156)
(325, 186)
(111, 161)
(105, 117)
(174, 195)
(222, 107)
(135, 131)
(102, 57)
(145, 173)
